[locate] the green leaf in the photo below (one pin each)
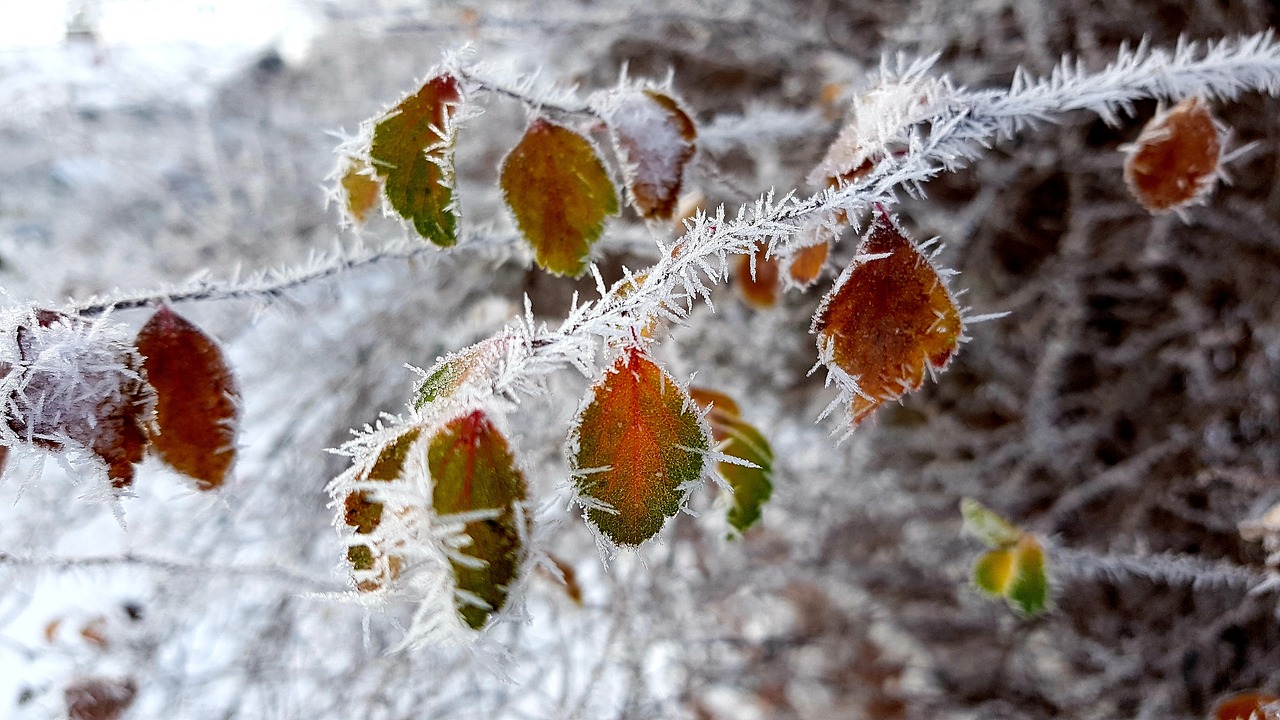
(752, 486)
(637, 447)
(412, 151)
(473, 468)
(987, 525)
(441, 380)
(1028, 592)
(364, 514)
(560, 193)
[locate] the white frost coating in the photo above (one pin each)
(647, 138)
(65, 381)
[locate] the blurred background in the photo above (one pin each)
(1128, 407)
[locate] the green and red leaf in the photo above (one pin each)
(473, 468)
(560, 194)
(887, 322)
(638, 445)
(412, 152)
(197, 401)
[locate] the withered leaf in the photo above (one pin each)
(886, 321)
(197, 401)
(360, 190)
(1174, 162)
(473, 468)
(656, 138)
(761, 289)
(560, 193)
(98, 698)
(412, 151)
(637, 447)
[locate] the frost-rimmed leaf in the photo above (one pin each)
(412, 152)
(888, 321)
(1248, 706)
(359, 190)
(656, 138)
(197, 400)
(560, 193)
(752, 486)
(473, 469)
(373, 566)
(802, 267)
(453, 371)
(1175, 161)
(638, 446)
(71, 383)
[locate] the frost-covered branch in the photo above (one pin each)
(1164, 569)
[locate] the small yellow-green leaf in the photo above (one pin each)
(637, 447)
(412, 151)
(473, 468)
(987, 525)
(1028, 592)
(560, 193)
(993, 573)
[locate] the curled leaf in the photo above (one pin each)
(197, 402)
(752, 486)
(473, 468)
(888, 320)
(412, 151)
(560, 193)
(656, 138)
(1174, 162)
(637, 447)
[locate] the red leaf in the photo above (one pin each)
(412, 150)
(657, 139)
(638, 445)
(886, 321)
(560, 194)
(1248, 706)
(196, 398)
(99, 698)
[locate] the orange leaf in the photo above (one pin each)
(657, 138)
(637, 448)
(886, 321)
(412, 151)
(1247, 706)
(197, 402)
(759, 290)
(473, 468)
(560, 194)
(359, 190)
(1174, 162)
(805, 263)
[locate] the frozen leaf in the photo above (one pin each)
(1028, 591)
(1174, 162)
(752, 486)
(364, 514)
(196, 398)
(986, 525)
(360, 189)
(80, 385)
(993, 573)
(99, 698)
(805, 263)
(760, 289)
(560, 193)
(638, 445)
(412, 151)
(450, 373)
(473, 468)
(656, 138)
(888, 320)
(1248, 706)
